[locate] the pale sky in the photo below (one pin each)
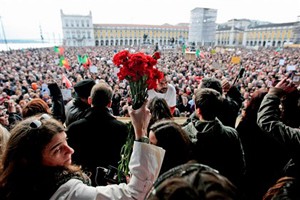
(21, 19)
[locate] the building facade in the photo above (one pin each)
(202, 27)
(78, 30)
(256, 34)
(130, 34)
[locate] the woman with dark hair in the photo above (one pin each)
(159, 110)
(265, 157)
(193, 181)
(37, 164)
(170, 136)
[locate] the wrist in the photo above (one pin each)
(143, 139)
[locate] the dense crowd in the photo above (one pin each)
(229, 107)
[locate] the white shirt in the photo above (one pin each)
(169, 96)
(145, 164)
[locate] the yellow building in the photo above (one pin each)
(252, 34)
(132, 34)
(274, 35)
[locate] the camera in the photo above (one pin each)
(108, 175)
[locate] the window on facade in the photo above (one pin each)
(72, 23)
(89, 35)
(67, 23)
(68, 34)
(77, 23)
(87, 23)
(82, 23)
(78, 35)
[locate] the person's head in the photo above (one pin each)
(4, 136)
(83, 88)
(101, 95)
(35, 106)
(34, 142)
(159, 109)
(254, 103)
(36, 160)
(193, 181)
(208, 103)
(162, 84)
(291, 108)
(4, 116)
(213, 83)
(170, 136)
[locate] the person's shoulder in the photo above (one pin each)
(230, 131)
(76, 125)
(171, 86)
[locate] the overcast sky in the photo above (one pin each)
(21, 19)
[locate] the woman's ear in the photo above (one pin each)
(198, 112)
(89, 100)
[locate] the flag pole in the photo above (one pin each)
(4, 33)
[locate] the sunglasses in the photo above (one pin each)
(38, 122)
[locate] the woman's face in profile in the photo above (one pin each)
(58, 152)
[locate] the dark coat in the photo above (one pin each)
(97, 140)
(219, 147)
(265, 158)
(75, 110)
(58, 106)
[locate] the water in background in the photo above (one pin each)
(19, 46)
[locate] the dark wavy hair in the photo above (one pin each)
(159, 110)
(22, 174)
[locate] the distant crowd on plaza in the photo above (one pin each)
(240, 139)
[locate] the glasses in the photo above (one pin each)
(180, 171)
(38, 122)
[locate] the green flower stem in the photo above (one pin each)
(126, 151)
(139, 95)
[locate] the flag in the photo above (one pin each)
(59, 50)
(202, 55)
(79, 58)
(183, 48)
(66, 81)
(64, 62)
(86, 61)
(197, 53)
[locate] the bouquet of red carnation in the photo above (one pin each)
(138, 69)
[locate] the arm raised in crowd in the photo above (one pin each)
(268, 118)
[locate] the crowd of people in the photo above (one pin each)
(240, 137)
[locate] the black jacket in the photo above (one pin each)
(97, 140)
(58, 106)
(75, 110)
(218, 146)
